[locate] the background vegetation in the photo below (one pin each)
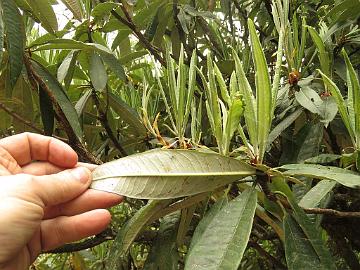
(271, 83)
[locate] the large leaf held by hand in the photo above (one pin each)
(164, 174)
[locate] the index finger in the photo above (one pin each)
(28, 147)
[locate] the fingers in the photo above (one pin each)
(46, 168)
(62, 187)
(89, 200)
(62, 230)
(27, 147)
(90, 166)
(41, 168)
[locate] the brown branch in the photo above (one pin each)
(332, 212)
(20, 119)
(74, 141)
(105, 123)
(104, 236)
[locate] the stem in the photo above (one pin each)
(20, 119)
(105, 123)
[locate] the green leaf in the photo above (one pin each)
(298, 250)
(263, 91)
(323, 159)
(47, 112)
(75, 7)
(98, 75)
(250, 112)
(113, 63)
(309, 99)
(276, 132)
(225, 252)
(323, 54)
(206, 220)
(164, 253)
(313, 234)
(24, 106)
(80, 105)
(344, 177)
(163, 174)
(355, 85)
(14, 31)
(127, 114)
(60, 97)
(335, 92)
(316, 194)
(101, 10)
(131, 230)
(45, 13)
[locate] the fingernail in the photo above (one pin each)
(81, 174)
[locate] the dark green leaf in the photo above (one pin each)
(225, 252)
(60, 97)
(14, 31)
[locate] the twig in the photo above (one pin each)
(106, 235)
(20, 119)
(332, 212)
(142, 39)
(105, 123)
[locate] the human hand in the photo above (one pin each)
(44, 201)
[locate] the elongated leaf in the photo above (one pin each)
(80, 105)
(114, 64)
(316, 194)
(47, 112)
(313, 234)
(60, 97)
(323, 54)
(335, 92)
(225, 252)
(298, 250)
(263, 90)
(276, 132)
(250, 111)
(22, 94)
(342, 176)
(131, 230)
(127, 114)
(45, 13)
(97, 72)
(355, 85)
(164, 254)
(14, 31)
(75, 7)
(162, 174)
(206, 220)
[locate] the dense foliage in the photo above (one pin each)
(255, 104)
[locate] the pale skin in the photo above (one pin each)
(44, 199)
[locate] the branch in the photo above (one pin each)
(155, 51)
(104, 236)
(74, 141)
(105, 123)
(20, 119)
(332, 212)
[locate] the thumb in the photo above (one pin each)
(62, 187)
